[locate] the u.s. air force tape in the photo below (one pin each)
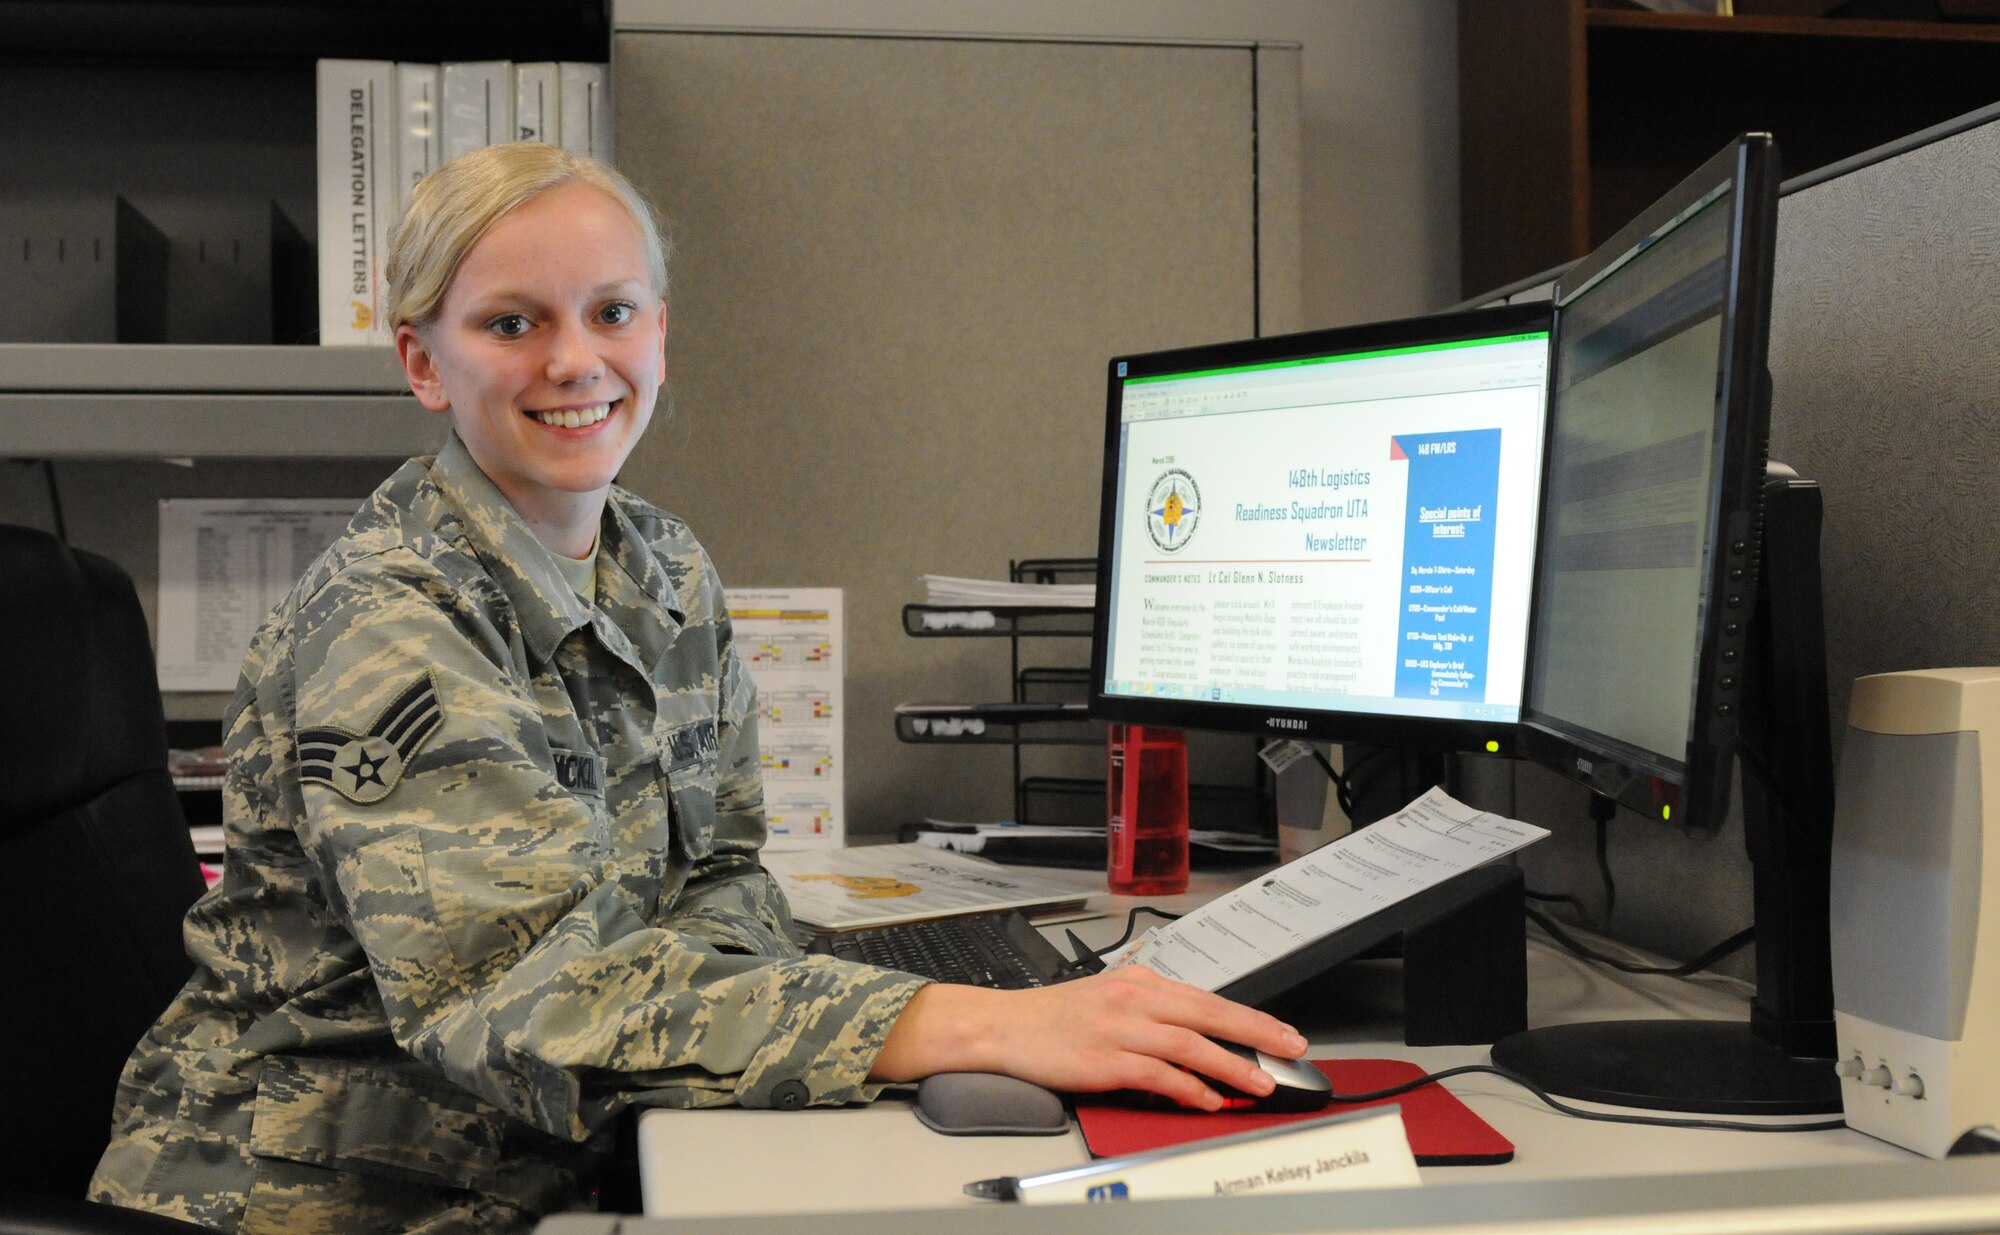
(364, 767)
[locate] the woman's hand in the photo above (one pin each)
(1127, 1028)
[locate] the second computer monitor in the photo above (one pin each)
(1647, 578)
(1329, 535)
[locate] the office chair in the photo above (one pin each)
(100, 871)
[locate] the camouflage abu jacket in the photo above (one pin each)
(491, 877)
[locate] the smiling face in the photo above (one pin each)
(548, 351)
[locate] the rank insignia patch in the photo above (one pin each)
(364, 767)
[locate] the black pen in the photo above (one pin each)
(1001, 1188)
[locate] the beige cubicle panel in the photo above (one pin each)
(900, 267)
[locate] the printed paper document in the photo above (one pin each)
(845, 889)
(1426, 843)
(224, 563)
(793, 643)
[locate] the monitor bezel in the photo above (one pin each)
(1417, 733)
(1692, 790)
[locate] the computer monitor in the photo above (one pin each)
(1325, 535)
(1646, 575)
(1650, 636)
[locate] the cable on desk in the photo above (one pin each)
(1732, 944)
(1131, 922)
(1562, 898)
(1655, 1121)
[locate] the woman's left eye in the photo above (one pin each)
(615, 314)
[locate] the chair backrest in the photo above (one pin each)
(95, 850)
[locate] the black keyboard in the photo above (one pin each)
(1001, 950)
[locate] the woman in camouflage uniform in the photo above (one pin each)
(493, 807)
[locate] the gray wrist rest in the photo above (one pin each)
(988, 1104)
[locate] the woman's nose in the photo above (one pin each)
(573, 356)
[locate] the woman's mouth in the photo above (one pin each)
(574, 417)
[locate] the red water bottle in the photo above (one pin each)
(1146, 828)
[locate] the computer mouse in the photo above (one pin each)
(1301, 1086)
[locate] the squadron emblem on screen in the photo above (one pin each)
(1173, 508)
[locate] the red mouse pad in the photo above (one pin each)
(1443, 1131)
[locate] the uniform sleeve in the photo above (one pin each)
(510, 949)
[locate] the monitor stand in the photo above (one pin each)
(1779, 1062)
(1709, 1067)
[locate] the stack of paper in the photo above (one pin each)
(846, 889)
(973, 593)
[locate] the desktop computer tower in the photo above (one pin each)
(1916, 907)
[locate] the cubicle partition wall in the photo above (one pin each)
(1885, 362)
(901, 265)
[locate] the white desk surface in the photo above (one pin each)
(736, 1162)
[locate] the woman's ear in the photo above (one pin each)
(420, 367)
(663, 343)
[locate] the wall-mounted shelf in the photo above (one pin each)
(101, 368)
(233, 33)
(1915, 31)
(201, 114)
(112, 400)
(1575, 115)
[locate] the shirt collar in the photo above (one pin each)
(522, 565)
(632, 589)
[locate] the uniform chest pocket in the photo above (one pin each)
(688, 762)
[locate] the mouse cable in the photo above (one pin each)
(1732, 944)
(1131, 922)
(1656, 1121)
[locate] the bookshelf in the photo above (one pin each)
(1574, 115)
(200, 114)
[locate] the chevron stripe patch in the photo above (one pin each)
(364, 767)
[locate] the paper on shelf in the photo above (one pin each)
(954, 590)
(1424, 844)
